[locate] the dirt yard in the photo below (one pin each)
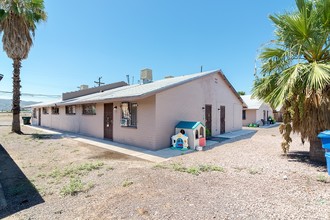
(50, 177)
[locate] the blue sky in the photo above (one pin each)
(113, 38)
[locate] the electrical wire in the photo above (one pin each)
(33, 95)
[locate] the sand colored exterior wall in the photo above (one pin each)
(90, 125)
(251, 117)
(255, 115)
(185, 103)
(260, 112)
(144, 134)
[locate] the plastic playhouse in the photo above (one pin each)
(194, 131)
(180, 141)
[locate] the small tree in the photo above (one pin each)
(18, 19)
(295, 72)
(241, 93)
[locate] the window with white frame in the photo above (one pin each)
(44, 110)
(89, 109)
(128, 114)
(55, 110)
(70, 109)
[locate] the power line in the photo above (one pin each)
(33, 95)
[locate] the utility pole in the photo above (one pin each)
(201, 68)
(99, 83)
(127, 76)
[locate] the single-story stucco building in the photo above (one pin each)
(255, 111)
(145, 115)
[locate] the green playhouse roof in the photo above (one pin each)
(188, 124)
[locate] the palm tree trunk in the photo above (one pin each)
(316, 152)
(16, 125)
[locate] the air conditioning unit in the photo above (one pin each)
(124, 122)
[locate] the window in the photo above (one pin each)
(201, 132)
(89, 109)
(129, 114)
(244, 114)
(70, 110)
(44, 110)
(55, 110)
(34, 113)
(196, 135)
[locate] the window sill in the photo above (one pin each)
(128, 126)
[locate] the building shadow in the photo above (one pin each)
(44, 136)
(303, 157)
(220, 140)
(18, 190)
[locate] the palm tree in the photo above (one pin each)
(295, 72)
(18, 19)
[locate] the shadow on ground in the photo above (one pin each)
(303, 157)
(18, 190)
(44, 136)
(222, 140)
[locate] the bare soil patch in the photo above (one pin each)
(248, 178)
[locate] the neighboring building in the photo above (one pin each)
(278, 114)
(145, 115)
(256, 111)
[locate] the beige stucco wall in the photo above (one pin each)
(260, 113)
(251, 117)
(91, 125)
(144, 134)
(255, 115)
(185, 103)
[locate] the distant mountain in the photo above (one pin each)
(5, 104)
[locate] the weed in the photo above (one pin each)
(161, 166)
(42, 175)
(127, 183)
(208, 168)
(322, 178)
(82, 169)
(56, 173)
(196, 170)
(253, 171)
(109, 168)
(179, 167)
(239, 168)
(75, 186)
(193, 170)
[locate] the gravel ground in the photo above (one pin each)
(245, 178)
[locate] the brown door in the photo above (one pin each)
(208, 119)
(108, 118)
(222, 119)
(39, 117)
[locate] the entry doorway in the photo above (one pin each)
(108, 121)
(208, 120)
(222, 119)
(39, 116)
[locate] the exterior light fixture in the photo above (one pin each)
(115, 108)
